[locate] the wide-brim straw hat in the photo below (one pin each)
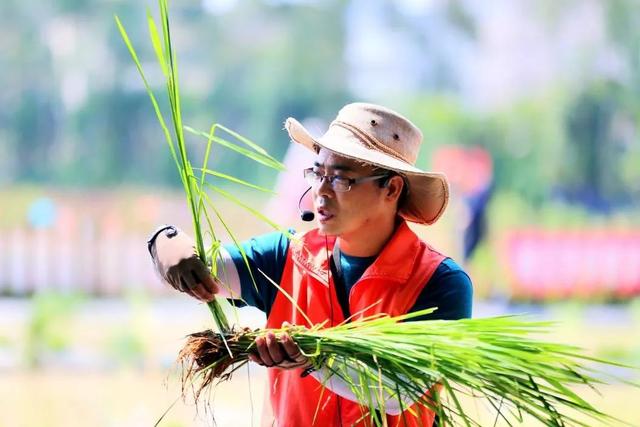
(381, 137)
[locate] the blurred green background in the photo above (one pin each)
(531, 107)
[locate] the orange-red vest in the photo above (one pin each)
(395, 278)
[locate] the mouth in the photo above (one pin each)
(324, 215)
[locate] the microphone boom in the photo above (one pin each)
(305, 215)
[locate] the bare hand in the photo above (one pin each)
(281, 352)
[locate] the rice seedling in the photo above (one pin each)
(498, 359)
(195, 185)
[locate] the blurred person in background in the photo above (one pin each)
(362, 259)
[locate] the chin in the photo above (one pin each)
(328, 229)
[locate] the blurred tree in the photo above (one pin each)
(525, 152)
(291, 64)
(595, 148)
(623, 26)
(28, 102)
(73, 110)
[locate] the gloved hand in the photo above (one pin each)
(174, 256)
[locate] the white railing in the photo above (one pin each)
(90, 261)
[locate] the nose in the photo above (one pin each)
(324, 188)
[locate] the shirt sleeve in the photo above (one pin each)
(266, 253)
(450, 290)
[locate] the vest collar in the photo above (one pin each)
(395, 262)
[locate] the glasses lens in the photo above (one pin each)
(311, 176)
(340, 184)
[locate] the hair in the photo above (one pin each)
(385, 181)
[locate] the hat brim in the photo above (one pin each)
(428, 191)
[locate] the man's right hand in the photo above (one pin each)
(174, 256)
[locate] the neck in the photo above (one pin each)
(367, 242)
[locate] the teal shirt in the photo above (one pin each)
(449, 288)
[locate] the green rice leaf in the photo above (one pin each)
(256, 156)
(157, 44)
(243, 205)
(236, 180)
(154, 102)
(247, 141)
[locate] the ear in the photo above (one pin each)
(394, 186)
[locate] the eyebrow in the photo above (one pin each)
(334, 167)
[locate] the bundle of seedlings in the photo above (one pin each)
(498, 359)
(495, 359)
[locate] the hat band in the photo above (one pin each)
(370, 141)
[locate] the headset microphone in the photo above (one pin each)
(305, 215)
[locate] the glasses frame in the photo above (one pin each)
(332, 178)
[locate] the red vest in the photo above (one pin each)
(395, 278)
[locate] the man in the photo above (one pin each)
(361, 260)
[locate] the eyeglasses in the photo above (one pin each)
(339, 184)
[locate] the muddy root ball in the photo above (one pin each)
(207, 352)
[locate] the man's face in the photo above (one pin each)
(355, 212)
